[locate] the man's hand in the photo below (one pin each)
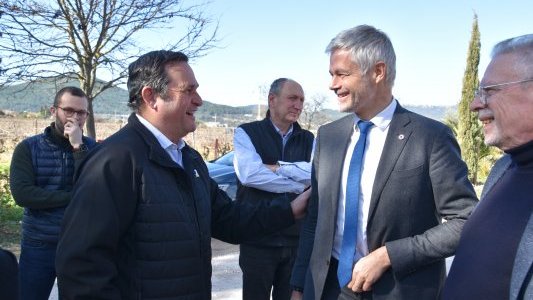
(299, 204)
(272, 168)
(295, 295)
(73, 132)
(369, 269)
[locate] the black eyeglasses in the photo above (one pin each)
(483, 91)
(69, 112)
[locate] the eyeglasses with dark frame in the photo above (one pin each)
(482, 91)
(69, 112)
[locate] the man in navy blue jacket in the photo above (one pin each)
(41, 179)
(144, 208)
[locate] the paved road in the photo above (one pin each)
(227, 276)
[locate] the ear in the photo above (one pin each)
(380, 72)
(148, 96)
(271, 98)
(53, 110)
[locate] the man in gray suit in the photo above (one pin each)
(413, 194)
(494, 258)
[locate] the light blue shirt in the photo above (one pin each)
(291, 177)
(173, 150)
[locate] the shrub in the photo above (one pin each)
(9, 210)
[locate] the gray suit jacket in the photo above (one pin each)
(521, 282)
(420, 180)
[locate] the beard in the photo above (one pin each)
(59, 125)
(493, 138)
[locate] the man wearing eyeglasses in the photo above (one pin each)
(41, 178)
(495, 254)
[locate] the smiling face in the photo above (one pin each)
(507, 121)
(364, 94)
(286, 107)
(173, 113)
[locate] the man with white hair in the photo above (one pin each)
(495, 254)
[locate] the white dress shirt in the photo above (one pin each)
(375, 142)
(291, 177)
(173, 150)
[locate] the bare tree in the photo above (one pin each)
(312, 115)
(263, 100)
(90, 39)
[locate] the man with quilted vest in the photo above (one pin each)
(272, 160)
(41, 179)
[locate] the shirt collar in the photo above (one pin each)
(383, 118)
(161, 138)
(279, 131)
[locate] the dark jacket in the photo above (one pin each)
(9, 286)
(521, 286)
(140, 227)
(41, 178)
(269, 146)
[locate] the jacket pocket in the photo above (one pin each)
(408, 172)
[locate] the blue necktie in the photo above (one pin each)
(346, 259)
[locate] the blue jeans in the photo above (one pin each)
(37, 271)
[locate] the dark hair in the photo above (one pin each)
(149, 70)
(74, 91)
(275, 89)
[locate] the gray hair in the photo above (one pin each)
(522, 44)
(368, 46)
(277, 85)
(275, 89)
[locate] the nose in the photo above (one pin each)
(197, 99)
(476, 104)
(335, 83)
(299, 104)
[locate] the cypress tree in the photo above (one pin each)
(469, 129)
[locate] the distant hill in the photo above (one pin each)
(33, 97)
(433, 112)
(36, 96)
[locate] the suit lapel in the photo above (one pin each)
(337, 140)
(397, 137)
(495, 174)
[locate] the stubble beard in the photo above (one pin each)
(60, 126)
(351, 106)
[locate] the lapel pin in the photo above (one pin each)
(401, 137)
(196, 174)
